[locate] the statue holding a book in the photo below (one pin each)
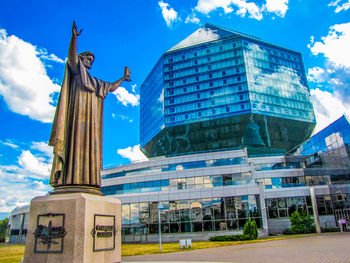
(77, 129)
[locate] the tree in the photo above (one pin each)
(301, 224)
(3, 229)
(250, 228)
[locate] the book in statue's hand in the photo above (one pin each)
(127, 73)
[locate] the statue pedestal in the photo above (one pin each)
(74, 228)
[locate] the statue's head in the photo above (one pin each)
(87, 58)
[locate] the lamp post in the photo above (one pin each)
(160, 206)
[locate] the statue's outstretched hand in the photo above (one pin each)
(127, 74)
(75, 32)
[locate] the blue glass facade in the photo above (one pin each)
(224, 89)
(277, 82)
(151, 99)
(332, 137)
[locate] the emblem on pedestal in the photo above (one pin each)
(49, 233)
(103, 233)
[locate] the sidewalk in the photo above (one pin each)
(324, 248)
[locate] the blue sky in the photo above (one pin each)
(34, 38)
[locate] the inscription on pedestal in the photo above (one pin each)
(103, 233)
(49, 233)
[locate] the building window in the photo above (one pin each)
(172, 110)
(170, 67)
(186, 116)
(211, 84)
(209, 67)
(171, 100)
(238, 78)
(171, 92)
(211, 92)
(224, 73)
(237, 70)
(199, 105)
(199, 114)
(183, 56)
(225, 81)
(171, 75)
(197, 87)
(234, 45)
(213, 111)
(185, 89)
(170, 60)
(172, 118)
(184, 81)
(210, 75)
(241, 97)
(235, 53)
(239, 88)
(196, 70)
(221, 48)
(198, 96)
(195, 54)
(195, 62)
(208, 58)
(171, 84)
(213, 102)
(242, 107)
(227, 109)
(197, 78)
(208, 51)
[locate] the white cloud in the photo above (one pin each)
(206, 6)
(43, 54)
(126, 98)
(19, 192)
(24, 83)
(132, 153)
(9, 144)
(278, 7)
(335, 46)
(192, 18)
(21, 182)
(328, 108)
(251, 8)
(134, 87)
(169, 14)
(243, 8)
(340, 5)
(43, 147)
(34, 166)
(315, 74)
(122, 117)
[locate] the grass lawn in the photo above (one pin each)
(14, 253)
(11, 253)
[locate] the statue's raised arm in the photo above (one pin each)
(72, 51)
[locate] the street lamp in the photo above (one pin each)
(160, 206)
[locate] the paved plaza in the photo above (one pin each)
(327, 248)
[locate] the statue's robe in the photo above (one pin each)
(77, 130)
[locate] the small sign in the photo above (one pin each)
(49, 233)
(103, 233)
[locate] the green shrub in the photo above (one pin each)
(250, 229)
(330, 229)
(301, 224)
(230, 238)
(289, 232)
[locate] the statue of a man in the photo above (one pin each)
(77, 129)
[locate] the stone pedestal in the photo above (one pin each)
(74, 228)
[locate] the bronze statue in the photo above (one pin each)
(77, 129)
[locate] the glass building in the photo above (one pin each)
(219, 89)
